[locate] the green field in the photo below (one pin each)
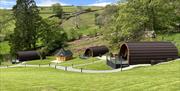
(164, 77)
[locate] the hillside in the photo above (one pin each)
(87, 21)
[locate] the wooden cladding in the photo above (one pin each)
(146, 52)
(96, 51)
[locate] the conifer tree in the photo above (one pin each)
(27, 19)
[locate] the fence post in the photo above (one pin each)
(49, 65)
(55, 66)
(7, 66)
(39, 65)
(81, 70)
(152, 62)
(66, 68)
(121, 63)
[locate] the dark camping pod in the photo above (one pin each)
(96, 51)
(148, 52)
(28, 55)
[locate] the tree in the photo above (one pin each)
(106, 17)
(58, 10)
(5, 18)
(136, 16)
(52, 36)
(27, 20)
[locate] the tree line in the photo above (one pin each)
(128, 21)
(125, 21)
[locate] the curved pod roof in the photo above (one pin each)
(145, 52)
(96, 51)
(28, 55)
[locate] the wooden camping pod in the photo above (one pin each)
(96, 51)
(146, 52)
(28, 55)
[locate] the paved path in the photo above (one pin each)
(78, 70)
(71, 69)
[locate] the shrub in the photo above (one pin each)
(93, 32)
(74, 34)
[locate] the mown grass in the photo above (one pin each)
(164, 77)
(96, 66)
(42, 62)
(77, 61)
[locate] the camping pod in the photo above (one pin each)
(96, 51)
(29, 55)
(148, 52)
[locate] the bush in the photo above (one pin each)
(93, 32)
(74, 34)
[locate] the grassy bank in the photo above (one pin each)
(165, 77)
(96, 66)
(78, 61)
(42, 62)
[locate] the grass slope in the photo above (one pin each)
(42, 62)
(78, 61)
(97, 66)
(165, 77)
(78, 47)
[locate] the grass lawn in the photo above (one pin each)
(77, 61)
(164, 77)
(97, 66)
(42, 62)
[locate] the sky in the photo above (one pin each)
(7, 4)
